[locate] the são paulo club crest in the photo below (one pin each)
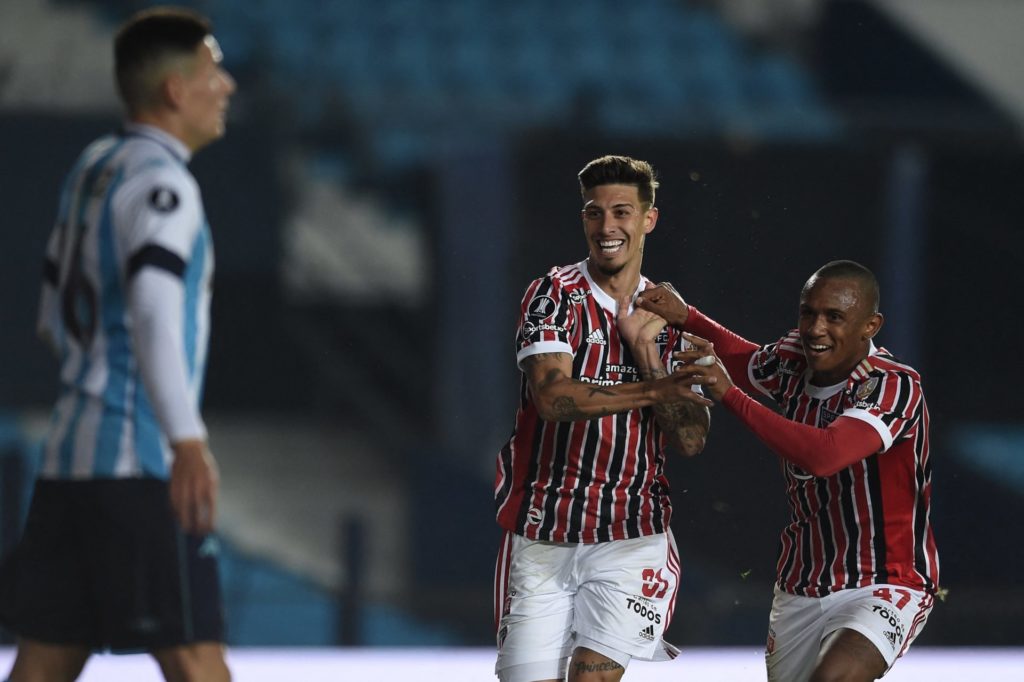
(865, 390)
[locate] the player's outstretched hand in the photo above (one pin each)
(665, 302)
(194, 485)
(678, 386)
(702, 363)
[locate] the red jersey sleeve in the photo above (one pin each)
(821, 452)
(732, 349)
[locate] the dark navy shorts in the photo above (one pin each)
(103, 563)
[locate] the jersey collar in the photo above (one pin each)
(602, 297)
(859, 372)
(161, 137)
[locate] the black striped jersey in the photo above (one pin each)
(582, 481)
(869, 523)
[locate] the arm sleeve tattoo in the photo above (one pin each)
(685, 423)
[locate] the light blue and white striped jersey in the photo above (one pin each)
(125, 303)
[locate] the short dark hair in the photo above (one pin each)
(146, 42)
(848, 269)
(620, 170)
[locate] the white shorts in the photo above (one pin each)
(615, 598)
(890, 616)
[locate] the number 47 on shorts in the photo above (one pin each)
(885, 593)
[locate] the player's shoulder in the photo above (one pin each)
(98, 148)
(567, 276)
(154, 175)
(881, 363)
(790, 347)
(882, 381)
(144, 157)
(560, 278)
(95, 159)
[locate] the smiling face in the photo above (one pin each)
(837, 322)
(615, 223)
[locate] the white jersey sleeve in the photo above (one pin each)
(156, 300)
(161, 215)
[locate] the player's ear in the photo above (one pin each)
(172, 90)
(871, 327)
(650, 219)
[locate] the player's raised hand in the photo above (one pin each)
(194, 486)
(702, 362)
(664, 301)
(637, 326)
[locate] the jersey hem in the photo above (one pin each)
(542, 347)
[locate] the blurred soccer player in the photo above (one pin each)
(588, 568)
(857, 569)
(117, 552)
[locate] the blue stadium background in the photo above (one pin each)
(397, 170)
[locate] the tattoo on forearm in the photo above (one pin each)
(691, 439)
(565, 407)
(670, 415)
(648, 373)
(681, 420)
(686, 423)
(584, 667)
(551, 377)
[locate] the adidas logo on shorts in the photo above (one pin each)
(210, 547)
(891, 636)
(596, 337)
(648, 633)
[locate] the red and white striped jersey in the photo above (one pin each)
(583, 481)
(869, 523)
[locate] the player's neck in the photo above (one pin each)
(617, 284)
(834, 376)
(166, 122)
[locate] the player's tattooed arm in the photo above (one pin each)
(679, 413)
(566, 409)
(559, 397)
(685, 423)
